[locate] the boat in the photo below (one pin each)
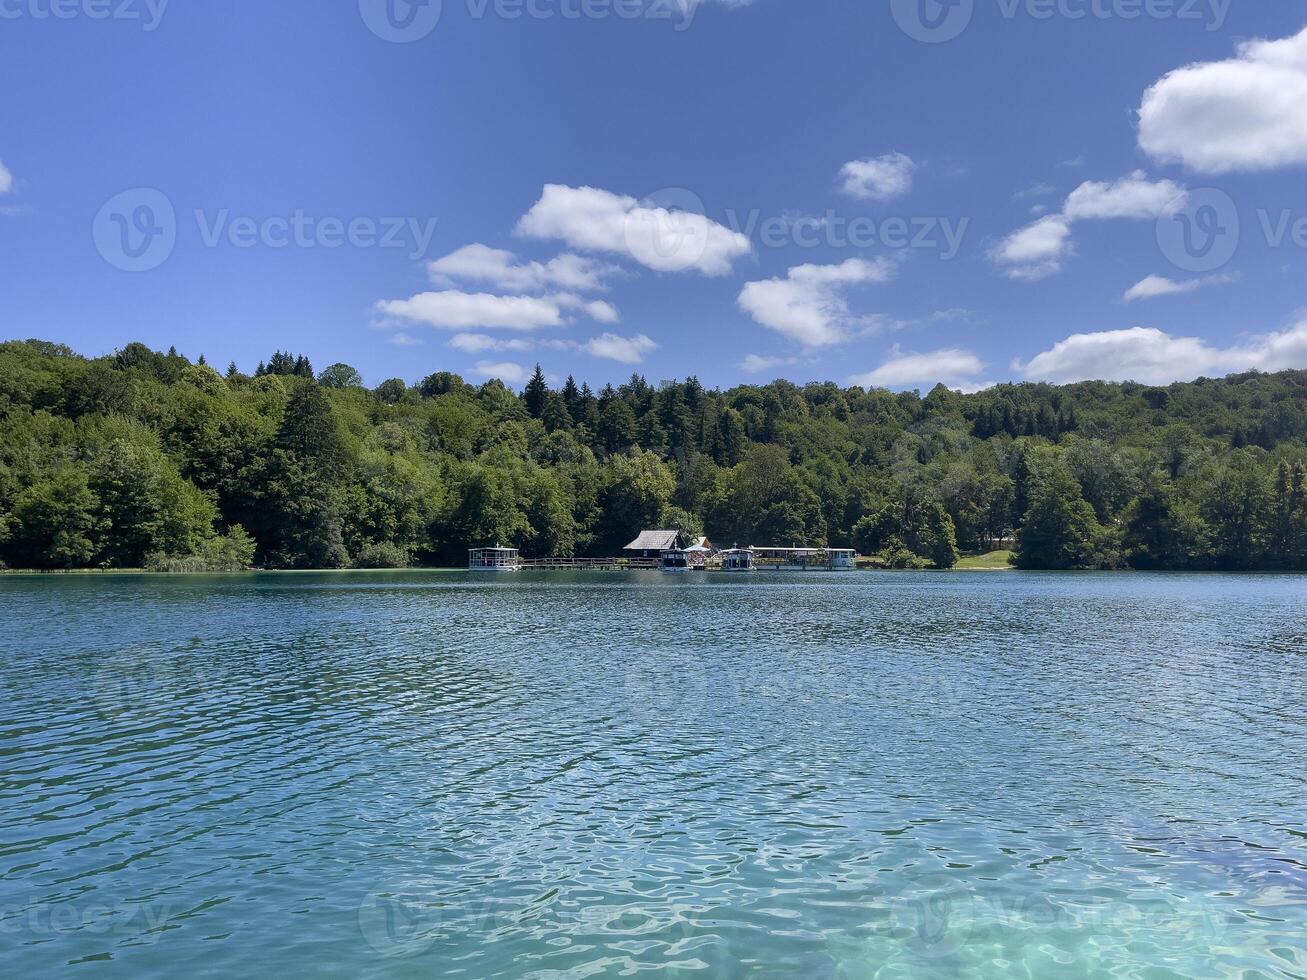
(737, 560)
(806, 559)
(494, 560)
(676, 561)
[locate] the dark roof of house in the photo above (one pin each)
(655, 541)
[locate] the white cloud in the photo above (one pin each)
(808, 305)
(503, 270)
(402, 339)
(953, 367)
(1043, 189)
(457, 310)
(757, 364)
(624, 350)
(1037, 251)
(1134, 196)
(602, 311)
(879, 178)
(6, 179)
(453, 309)
(479, 343)
(1248, 113)
(1149, 356)
(508, 372)
(659, 238)
(1154, 286)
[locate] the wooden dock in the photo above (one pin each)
(653, 564)
(590, 564)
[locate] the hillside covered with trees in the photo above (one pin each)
(143, 459)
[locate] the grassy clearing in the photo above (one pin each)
(995, 561)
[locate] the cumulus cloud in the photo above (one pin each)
(602, 311)
(479, 343)
(953, 367)
(503, 270)
(757, 364)
(1150, 356)
(1151, 287)
(659, 238)
(1246, 114)
(402, 339)
(1134, 196)
(1038, 250)
(453, 309)
(809, 305)
(880, 178)
(457, 310)
(6, 179)
(506, 371)
(624, 350)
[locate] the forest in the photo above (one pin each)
(147, 460)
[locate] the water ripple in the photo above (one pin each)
(569, 776)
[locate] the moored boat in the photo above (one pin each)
(737, 560)
(676, 561)
(494, 560)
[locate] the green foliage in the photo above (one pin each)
(53, 523)
(915, 526)
(145, 505)
(1160, 529)
(232, 552)
(340, 376)
(1060, 530)
(382, 554)
(143, 458)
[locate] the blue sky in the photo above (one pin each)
(891, 193)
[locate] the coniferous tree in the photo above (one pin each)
(536, 393)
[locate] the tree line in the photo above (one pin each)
(144, 459)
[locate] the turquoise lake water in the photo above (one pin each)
(550, 776)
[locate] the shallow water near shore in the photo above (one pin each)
(572, 775)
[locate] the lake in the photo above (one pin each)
(563, 775)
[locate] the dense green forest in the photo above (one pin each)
(144, 459)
